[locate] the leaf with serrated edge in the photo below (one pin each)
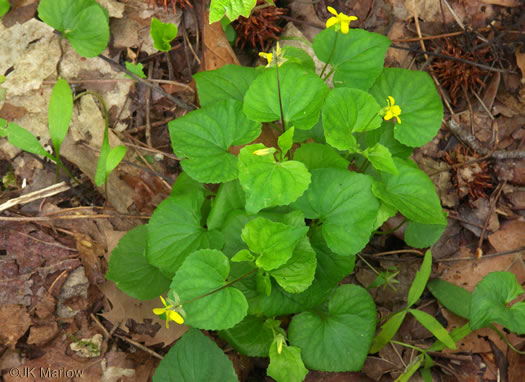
(490, 301)
(232, 9)
(381, 158)
(298, 272)
(175, 231)
(336, 338)
(411, 192)
(274, 242)
(226, 82)
(358, 56)
(130, 269)
(268, 183)
(420, 235)
(250, 337)
(344, 203)
(347, 111)
(302, 95)
(286, 365)
(162, 34)
(204, 273)
(420, 103)
(204, 137)
(316, 155)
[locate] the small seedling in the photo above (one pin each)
(59, 117)
(162, 34)
(84, 23)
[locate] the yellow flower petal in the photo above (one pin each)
(332, 10)
(390, 100)
(174, 316)
(389, 115)
(396, 110)
(159, 311)
(398, 120)
(345, 27)
(331, 22)
(163, 301)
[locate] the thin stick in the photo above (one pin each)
(484, 67)
(35, 195)
(156, 88)
(140, 346)
(492, 206)
(148, 101)
(418, 29)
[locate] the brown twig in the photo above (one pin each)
(156, 88)
(485, 67)
(486, 224)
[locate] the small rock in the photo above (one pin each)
(76, 285)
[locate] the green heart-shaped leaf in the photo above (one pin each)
(130, 269)
(196, 358)
(162, 34)
(358, 56)
(347, 111)
(175, 230)
(227, 82)
(252, 336)
(343, 201)
(268, 183)
(83, 22)
(298, 272)
(316, 155)
(302, 95)
(490, 303)
(338, 337)
(205, 273)
(274, 242)
(286, 364)
(411, 192)
(420, 103)
(204, 137)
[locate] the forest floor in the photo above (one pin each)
(54, 249)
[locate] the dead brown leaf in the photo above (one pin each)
(127, 308)
(15, 322)
(503, 3)
(216, 49)
(509, 236)
(40, 335)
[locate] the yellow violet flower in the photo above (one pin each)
(270, 56)
(340, 19)
(171, 315)
(392, 110)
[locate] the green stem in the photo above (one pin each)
(59, 164)
(279, 92)
(502, 336)
(408, 346)
(219, 289)
(393, 229)
(369, 265)
(329, 57)
(329, 74)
